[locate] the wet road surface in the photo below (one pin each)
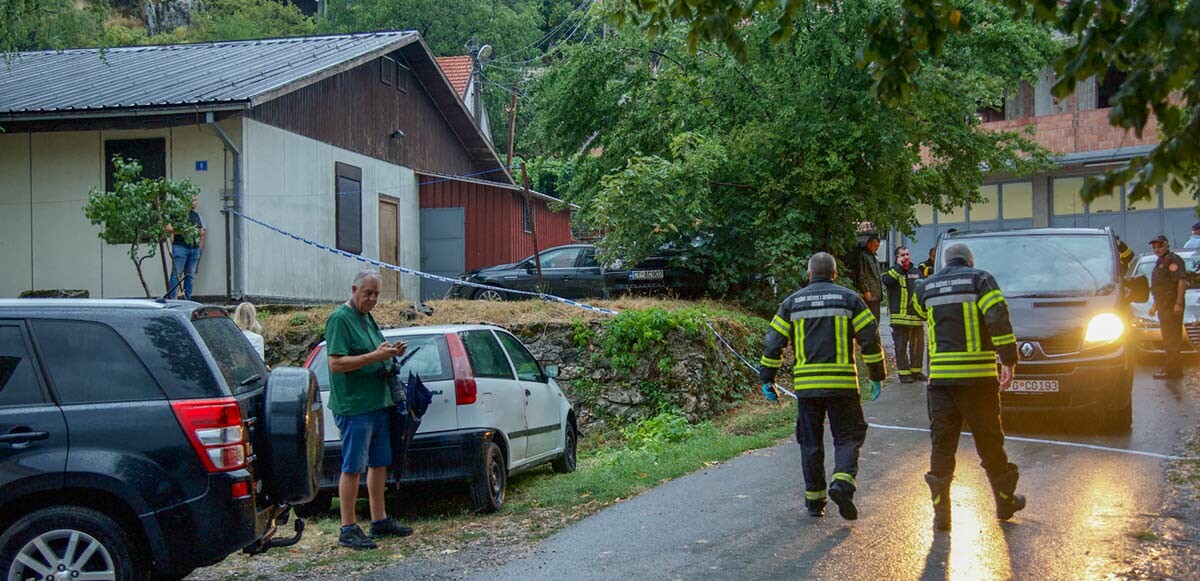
(745, 518)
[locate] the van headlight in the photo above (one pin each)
(1104, 328)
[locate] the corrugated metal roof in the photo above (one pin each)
(458, 71)
(178, 75)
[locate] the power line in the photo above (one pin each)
(549, 33)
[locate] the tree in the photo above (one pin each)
(47, 24)
(138, 211)
(749, 166)
(1155, 43)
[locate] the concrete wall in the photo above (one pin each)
(289, 183)
(46, 242)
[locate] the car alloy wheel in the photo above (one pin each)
(63, 555)
(488, 294)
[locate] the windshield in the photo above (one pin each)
(1047, 265)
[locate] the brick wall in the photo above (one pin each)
(1078, 131)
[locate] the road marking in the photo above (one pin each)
(1052, 442)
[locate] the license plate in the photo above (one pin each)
(1033, 385)
(645, 275)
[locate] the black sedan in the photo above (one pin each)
(572, 271)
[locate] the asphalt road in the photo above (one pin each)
(745, 519)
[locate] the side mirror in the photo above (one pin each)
(1137, 289)
(551, 371)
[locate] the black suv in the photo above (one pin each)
(141, 438)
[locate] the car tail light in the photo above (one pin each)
(214, 427)
(464, 377)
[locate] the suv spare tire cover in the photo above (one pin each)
(294, 425)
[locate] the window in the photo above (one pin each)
(1067, 200)
(240, 365)
(1017, 200)
(151, 153)
(348, 204)
(527, 367)
(387, 71)
(18, 382)
(1150, 203)
(487, 360)
(989, 208)
(954, 215)
(588, 258)
(403, 74)
(1106, 88)
(1106, 203)
(526, 214)
(1184, 198)
(561, 257)
(90, 363)
(924, 214)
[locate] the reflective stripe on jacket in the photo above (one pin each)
(968, 325)
(822, 322)
(897, 281)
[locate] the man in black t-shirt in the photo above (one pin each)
(185, 255)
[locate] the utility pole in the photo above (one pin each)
(537, 259)
(512, 126)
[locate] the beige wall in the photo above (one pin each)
(289, 184)
(48, 243)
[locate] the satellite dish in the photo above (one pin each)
(484, 52)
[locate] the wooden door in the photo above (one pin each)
(389, 245)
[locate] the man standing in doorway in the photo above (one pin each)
(185, 255)
(866, 274)
(908, 330)
(359, 363)
(1168, 286)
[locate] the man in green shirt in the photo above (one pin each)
(359, 358)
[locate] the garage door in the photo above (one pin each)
(1005, 206)
(443, 247)
(1166, 213)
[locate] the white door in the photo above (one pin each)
(543, 403)
(500, 402)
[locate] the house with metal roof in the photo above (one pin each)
(334, 139)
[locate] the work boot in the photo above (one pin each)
(1004, 488)
(816, 507)
(919, 377)
(842, 494)
(355, 539)
(906, 379)
(939, 493)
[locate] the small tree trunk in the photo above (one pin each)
(137, 264)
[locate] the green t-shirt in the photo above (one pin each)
(347, 332)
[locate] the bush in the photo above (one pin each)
(668, 427)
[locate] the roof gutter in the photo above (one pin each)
(233, 224)
(131, 112)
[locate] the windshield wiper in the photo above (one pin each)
(1063, 295)
(252, 379)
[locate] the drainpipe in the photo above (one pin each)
(233, 224)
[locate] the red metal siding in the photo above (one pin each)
(493, 216)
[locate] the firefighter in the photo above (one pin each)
(1168, 286)
(908, 331)
(822, 321)
(1125, 254)
(968, 329)
(926, 267)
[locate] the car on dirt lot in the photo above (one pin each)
(573, 271)
(1146, 334)
(495, 412)
(144, 439)
(1070, 313)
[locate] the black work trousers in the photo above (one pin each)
(1171, 325)
(873, 306)
(977, 405)
(910, 348)
(849, 430)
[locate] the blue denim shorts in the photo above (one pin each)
(366, 441)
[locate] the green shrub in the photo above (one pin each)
(668, 427)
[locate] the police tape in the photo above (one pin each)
(418, 273)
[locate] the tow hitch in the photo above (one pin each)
(269, 541)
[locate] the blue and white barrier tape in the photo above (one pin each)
(384, 265)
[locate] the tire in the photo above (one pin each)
(488, 491)
(294, 429)
(114, 551)
(566, 463)
(487, 294)
(318, 506)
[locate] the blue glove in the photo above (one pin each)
(871, 393)
(769, 392)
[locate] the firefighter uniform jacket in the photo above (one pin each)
(822, 321)
(1126, 255)
(926, 268)
(968, 326)
(901, 283)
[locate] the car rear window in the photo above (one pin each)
(432, 362)
(487, 359)
(239, 363)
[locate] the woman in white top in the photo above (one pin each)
(246, 318)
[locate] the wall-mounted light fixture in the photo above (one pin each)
(397, 134)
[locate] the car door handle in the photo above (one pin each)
(528, 393)
(23, 438)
